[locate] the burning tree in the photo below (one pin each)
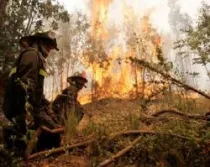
(112, 73)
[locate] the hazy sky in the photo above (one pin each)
(159, 16)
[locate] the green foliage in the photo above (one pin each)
(7, 159)
(162, 62)
(197, 39)
(160, 149)
(23, 18)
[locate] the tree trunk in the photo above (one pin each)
(93, 86)
(68, 66)
(53, 87)
(62, 71)
(3, 5)
(136, 82)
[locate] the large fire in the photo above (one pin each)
(99, 15)
(116, 76)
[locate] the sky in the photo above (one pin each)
(159, 17)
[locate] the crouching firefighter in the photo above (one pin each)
(66, 104)
(24, 91)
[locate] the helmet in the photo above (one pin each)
(78, 79)
(47, 36)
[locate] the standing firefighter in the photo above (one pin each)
(66, 103)
(24, 91)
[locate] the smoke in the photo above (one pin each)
(180, 17)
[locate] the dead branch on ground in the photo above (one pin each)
(136, 132)
(32, 142)
(120, 153)
(174, 111)
(142, 132)
(147, 119)
(59, 150)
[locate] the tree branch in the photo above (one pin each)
(117, 155)
(142, 132)
(128, 148)
(59, 150)
(169, 77)
(3, 5)
(120, 153)
(32, 142)
(174, 111)
(29, 19)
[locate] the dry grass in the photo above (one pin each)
(109, 116)
(116, 115)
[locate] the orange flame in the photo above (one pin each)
(100, 18)
(118, 78)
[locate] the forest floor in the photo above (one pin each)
(133, 138)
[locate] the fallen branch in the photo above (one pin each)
(150, 119)
(58, 150)
(52, 131)
(32, 142)
(136, 132)
(174, 111)
(114, 157)
(120, 153)
(169, 77)
(142, 132)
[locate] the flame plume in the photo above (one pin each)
(112, 74)
(99, 17)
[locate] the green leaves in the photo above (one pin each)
(23, 18)
(197, 39)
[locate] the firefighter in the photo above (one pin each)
(24, 91)
(67, 101)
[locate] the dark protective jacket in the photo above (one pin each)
(31, 71)
(25, 84)
(67, 102)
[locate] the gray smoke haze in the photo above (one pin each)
(169, 17)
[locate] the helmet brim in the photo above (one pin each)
(32, 38)
(73, 78)
(76, 78)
